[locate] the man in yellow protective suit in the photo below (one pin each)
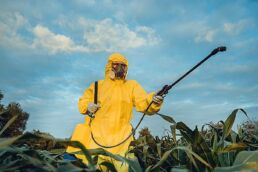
(113, 112)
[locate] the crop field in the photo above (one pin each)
(128, 85)
(211, 147)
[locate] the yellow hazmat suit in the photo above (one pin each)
(111, 124)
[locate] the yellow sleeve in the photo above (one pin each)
(86, 99)
(141, 100)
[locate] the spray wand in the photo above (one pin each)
(163, 92)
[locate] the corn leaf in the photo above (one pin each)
(179, 170)
(167, 118)
(245, 161)
(4, 142)
(234, 147)
(109, 166)
(86, 153)
(230, 121)
(167, 154)
(159, 149)
(132, 163)
(186, 132)
(173, 132)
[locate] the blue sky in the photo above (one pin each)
(50, 51)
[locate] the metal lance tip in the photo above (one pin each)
(219, 49)
(222, 48)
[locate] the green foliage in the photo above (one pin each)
(205, 150)
(40, 141)
(1, 106)
(245, 161)
(26, 153)
(12, 112)
(1, 95)
(213, 148)
(19, 125)
(25, 158)
(249, 133)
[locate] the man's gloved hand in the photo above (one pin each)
(157, 99)
(92, 108)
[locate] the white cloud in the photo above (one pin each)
(97, 36)
(103, 35)
(204, 31)
(236, 28)
(44, 38)
(207, 35)
(106, 35)
(150, 34)
(242, 68)
(198, 31)
(9, 25)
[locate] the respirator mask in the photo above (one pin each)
(118, 71)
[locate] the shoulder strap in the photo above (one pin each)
(96, 92)
(95, 96)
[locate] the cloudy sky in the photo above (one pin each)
(50, 51)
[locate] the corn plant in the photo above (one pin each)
(34, 152)
(195, 150)
(216, 147)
